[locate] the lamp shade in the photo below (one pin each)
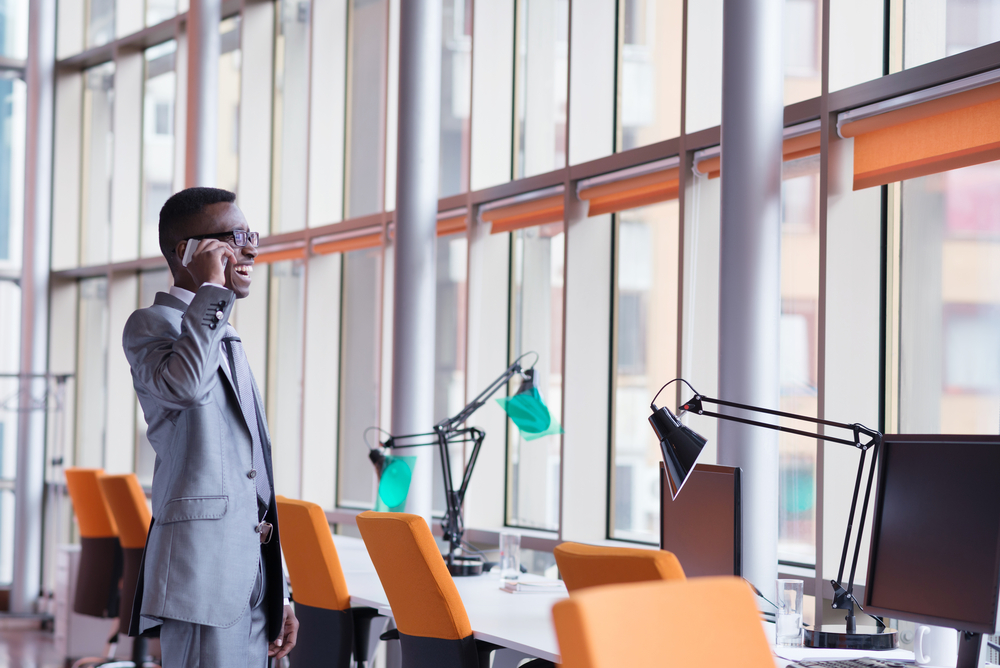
(681, 447)
(394, 475)
(528, 412)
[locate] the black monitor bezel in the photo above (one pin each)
(871, 608)
(733, 471)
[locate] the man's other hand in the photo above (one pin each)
(285, 641)
(206, 264)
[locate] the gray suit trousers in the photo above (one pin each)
(242, 645)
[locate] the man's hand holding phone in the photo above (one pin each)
(206, 260)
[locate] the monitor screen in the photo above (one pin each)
(703, 525)
(935, 549)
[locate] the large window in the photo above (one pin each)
(291, 116)
(536, 310)
(98, 163)
(10, 335)
(650, 74)
(157, 142)
(540, 95)
(456, 95)
(798, 357)
(949, 377)
(645, 357)
(367, 72)
(92, 365)
(228, 157)
(934, 30)
(359, 377)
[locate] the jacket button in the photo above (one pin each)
(252, 474)
(219, 315)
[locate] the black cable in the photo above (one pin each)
(371, 429)
(653, 402)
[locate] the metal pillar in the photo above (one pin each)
(750, 280)
(30, 486)
(414, 279)
(204, 47)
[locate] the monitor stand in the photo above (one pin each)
(970, 650)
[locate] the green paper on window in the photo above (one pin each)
(394, 484)
(530, 414)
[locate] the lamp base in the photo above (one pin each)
(835, 636)
(460, 566)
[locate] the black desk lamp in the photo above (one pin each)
(681, 447)
(525, 409)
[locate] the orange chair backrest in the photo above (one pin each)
(93, 515)
(421, 593)
(591, 565)
(663, 623)
(127, 501)
(311, 557)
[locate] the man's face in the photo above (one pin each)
(224, 217)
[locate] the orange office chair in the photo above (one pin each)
(125, 497)
(434, 628)
(591, 565)
(100, 570)
(328, 626)
(697, 623)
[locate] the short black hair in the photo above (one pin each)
(181, 208)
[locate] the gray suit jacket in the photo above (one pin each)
(202, 552)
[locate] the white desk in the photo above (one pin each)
(523, 622)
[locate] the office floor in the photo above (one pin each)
(28, 649)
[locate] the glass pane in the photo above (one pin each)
(228, 166)
(645, 358)
(799, 345)
(449, 365)
(284, 377)
(291, 116)
(10, 346)
(456, 95)
(157, 141)
(160, 10)
(803, 24)
(12, 116)
(359, 398)
(540, 92)
(91, 372)
(98, 162)
(704, 65)
(150, 282)
(14, 28)
(536, 310)
(935, 29)
(651, 72)
(367, 102)
(950, 309)
(856, 34)
(101, 22)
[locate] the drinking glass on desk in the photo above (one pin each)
(788, 618)
(510, 556)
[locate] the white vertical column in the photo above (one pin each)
(414, 295)
(30, 485)
(750, 302)
(204, 46)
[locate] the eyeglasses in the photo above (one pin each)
(240, 237)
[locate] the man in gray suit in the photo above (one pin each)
(212, 582)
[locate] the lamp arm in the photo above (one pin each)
(479, 401)
(842, 598)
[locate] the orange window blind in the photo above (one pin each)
(632, 192)
(345, 245)
(451, 224)
(792, 148)
(926, 138)
(266, 256)
(525, 214)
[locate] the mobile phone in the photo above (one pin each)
(190, 249)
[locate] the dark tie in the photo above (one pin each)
(244, 388)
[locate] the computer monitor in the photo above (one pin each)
(935, 548)
(703, 525)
